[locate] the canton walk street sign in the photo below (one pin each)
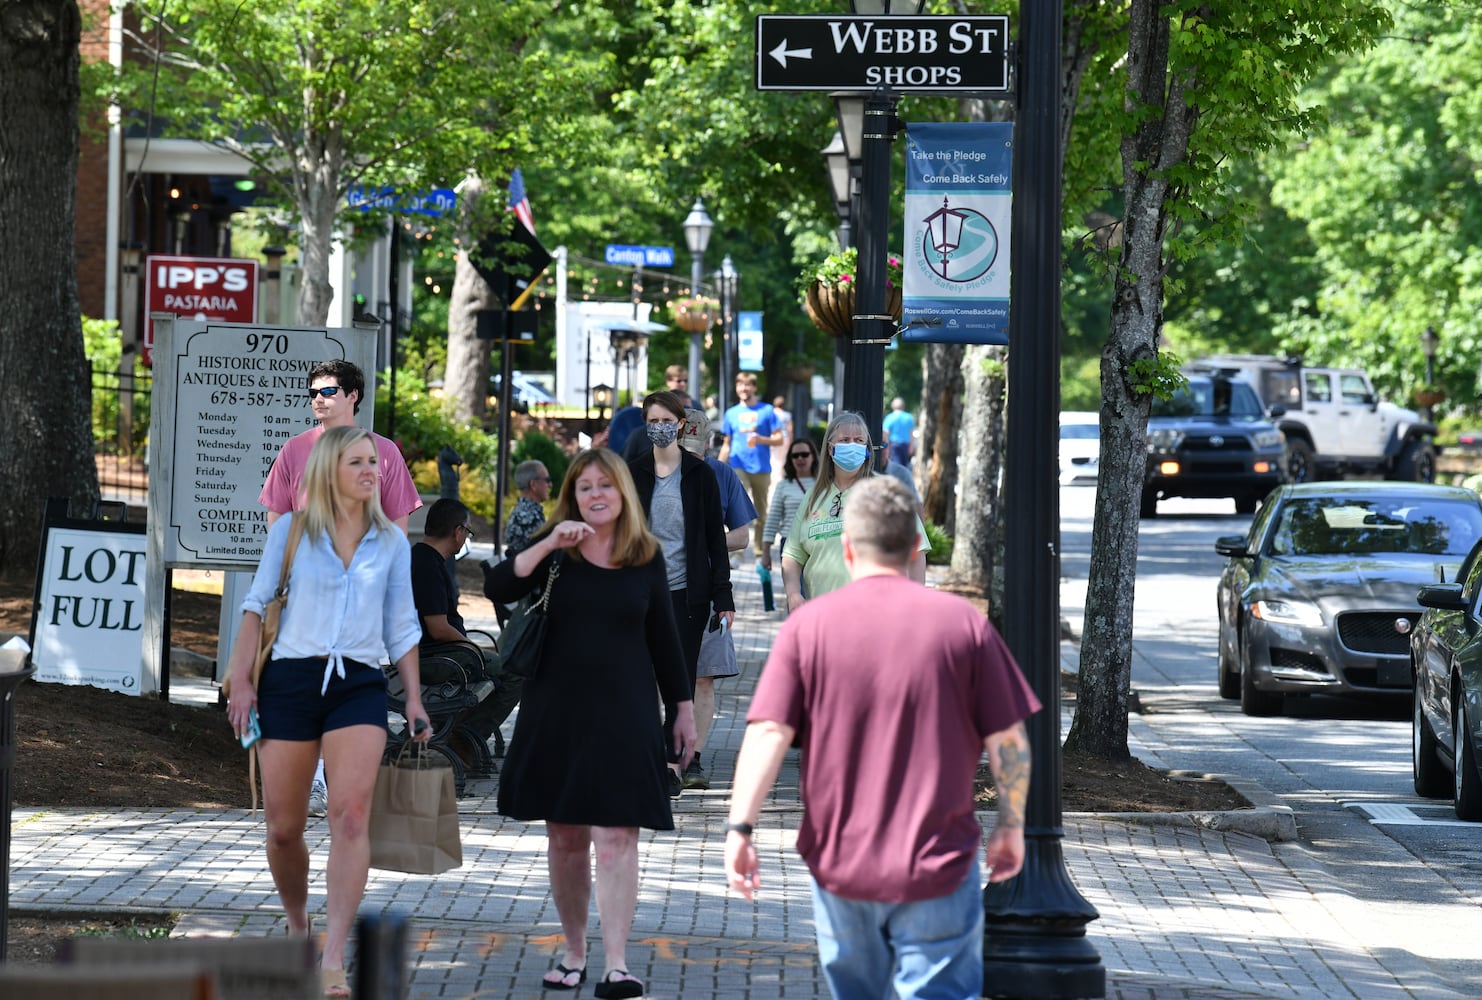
(937, 54)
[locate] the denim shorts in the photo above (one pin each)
(290, 706)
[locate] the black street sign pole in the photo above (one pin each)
(1035, 941)
(864, 360)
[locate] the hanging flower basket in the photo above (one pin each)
(1429, 395)
(695, 314)
(829, 291)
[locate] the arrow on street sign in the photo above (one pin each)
(931, 54)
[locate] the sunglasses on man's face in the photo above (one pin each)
(324, 390)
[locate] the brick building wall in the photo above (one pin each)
(92, 176)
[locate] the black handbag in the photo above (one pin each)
(521, 641)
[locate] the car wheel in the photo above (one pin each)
(1149, 505)
(1430, 776)
(1252, 700)
(1467, 787)
(1417, 463)
(1247, 503)
(1300, 464)
(1229, 670)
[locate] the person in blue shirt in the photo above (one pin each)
(751, 428)
(350, 605)
(900, 432)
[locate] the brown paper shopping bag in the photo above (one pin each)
(414, 815)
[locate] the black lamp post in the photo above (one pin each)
(1428, 343)
(1035, 941)
(697, 229)
(863, 352)
(725, 280)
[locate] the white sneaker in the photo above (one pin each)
(318, 799)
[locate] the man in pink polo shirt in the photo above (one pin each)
(335, 391)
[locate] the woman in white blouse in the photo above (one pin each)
(349, 605)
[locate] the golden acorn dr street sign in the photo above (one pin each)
(934, 54)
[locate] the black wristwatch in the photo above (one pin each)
(742, 828)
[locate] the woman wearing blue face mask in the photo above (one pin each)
(681, 499)
(813, 559)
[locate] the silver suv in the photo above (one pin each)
(1334, 422)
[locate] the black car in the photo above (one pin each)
(1212, 439)
(1446, 659)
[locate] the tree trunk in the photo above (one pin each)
(976, 547)
(46, 443)
(466, 379)
(1158, 144)
(941, 416)
(316, 183)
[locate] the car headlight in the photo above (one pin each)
(1165, 440)
(1268, 439)
(1287, 613)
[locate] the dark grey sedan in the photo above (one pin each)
(1319, 597)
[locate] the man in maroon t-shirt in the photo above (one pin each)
(893, 692)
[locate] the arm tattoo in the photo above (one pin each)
(1010, 764)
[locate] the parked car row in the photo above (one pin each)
(1371, 589)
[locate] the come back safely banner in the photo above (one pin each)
(956, 260)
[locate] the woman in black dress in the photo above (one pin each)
(588, 754)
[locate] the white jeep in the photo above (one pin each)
(1334, 422)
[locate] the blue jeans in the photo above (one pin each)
(928, 950)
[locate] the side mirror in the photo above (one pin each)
(1442, 597)
(1275, 411)
(1233, 546)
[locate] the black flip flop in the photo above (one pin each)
(617, 989)
(581, 977)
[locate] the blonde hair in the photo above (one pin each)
(633, 544)
(323, 502)
(826, 469)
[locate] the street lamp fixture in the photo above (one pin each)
(726, 279)
(697, 229)
(849, 109)
(602, 396)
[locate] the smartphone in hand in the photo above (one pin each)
(254, 729)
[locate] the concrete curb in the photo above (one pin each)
(1267, 818)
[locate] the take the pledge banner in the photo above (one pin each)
(956, 260)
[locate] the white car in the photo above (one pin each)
(1080, 447)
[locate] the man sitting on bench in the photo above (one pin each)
(436, 599)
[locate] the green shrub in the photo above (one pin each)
(541, 448)
(941, 545)
(103, 346)
(424, 423)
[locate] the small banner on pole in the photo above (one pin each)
(956, 260)
(749, 341)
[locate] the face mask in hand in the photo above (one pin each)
(663, 435)
(850, 456)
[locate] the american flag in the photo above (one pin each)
(518, 203)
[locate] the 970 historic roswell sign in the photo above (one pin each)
(935, 53)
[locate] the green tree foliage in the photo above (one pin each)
(1387, 192)
(325, 95)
